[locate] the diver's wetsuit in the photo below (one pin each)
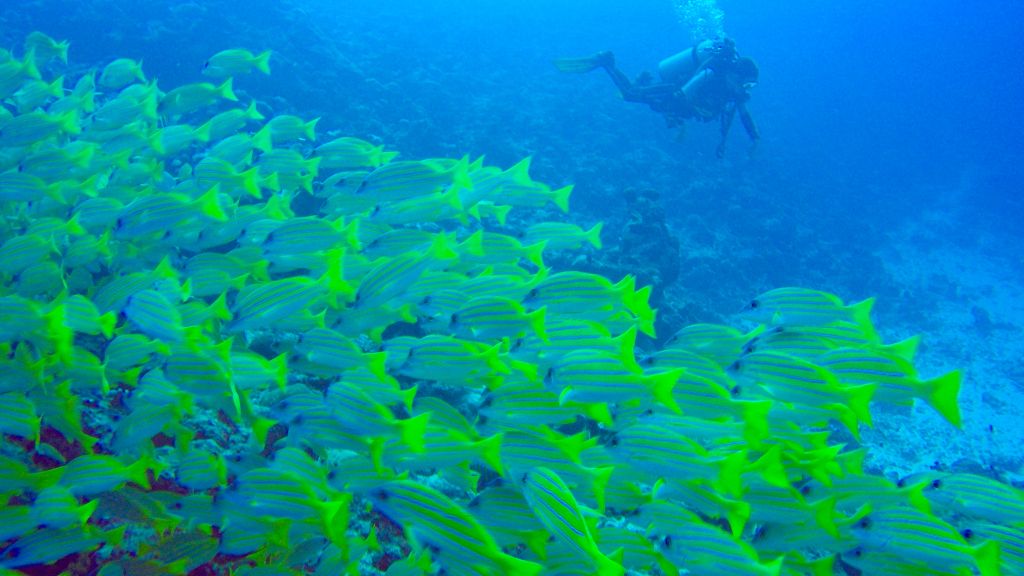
(704, 96)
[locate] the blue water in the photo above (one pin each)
(891, 133)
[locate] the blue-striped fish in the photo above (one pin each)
(805, 307)
(556, 508)
(432, 520)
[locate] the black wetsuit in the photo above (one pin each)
(717, 96)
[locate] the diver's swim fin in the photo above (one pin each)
(586, 64)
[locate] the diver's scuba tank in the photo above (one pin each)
(680, 67)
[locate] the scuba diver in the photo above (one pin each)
(708, 81)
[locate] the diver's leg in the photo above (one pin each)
(621, 82)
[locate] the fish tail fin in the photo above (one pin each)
(279, 368)
(737, 514)
(28, 65)
(310, 128)
(846, 416)
(860, 314)
(492, 358)
(755, 422)
(943, 393)
(209, 204)
(535, 253)
(202, 133)
(252, 113)
(639, 303)
(68, 122)
(561, 197)
(602, 476)
(107, 324)
(250, 182)
(536, 320)
(594, 235)
(905, 349)
(262, 140)
(385, 157)
(626, 347)
(986, 556)
(490, 452)
(771, 468)
(412, 431)
(731, 472)
(608, 566)
(262, 62)
(773, 568)
(859, 401)
(138, 472)
(825, 515)
(501, 214)
(226, 91)
(376, 364)
(662, 386)
(520, 172)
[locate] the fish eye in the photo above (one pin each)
(864, 523)
(754, 304)
(735, 366)
(967, 533)
(736, 390)
(936, 483)
(667, 542)
(805, 490)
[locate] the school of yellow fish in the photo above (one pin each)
(229, 347)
